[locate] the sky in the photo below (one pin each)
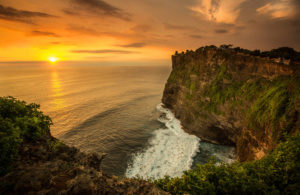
(141, 30)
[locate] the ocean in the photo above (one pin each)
(115, 110)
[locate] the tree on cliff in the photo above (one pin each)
(284, 53)
(256, 52)
(224, 46)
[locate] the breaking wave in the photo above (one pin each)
(170, 150)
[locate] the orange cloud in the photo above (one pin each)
(221, 11)
(280, 9)
(134, 45)
(43, 33)
(104, 51)
(141, 28)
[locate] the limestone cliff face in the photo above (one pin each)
(227, 98)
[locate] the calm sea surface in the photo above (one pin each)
(114, 110)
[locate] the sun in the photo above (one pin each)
(52, 59)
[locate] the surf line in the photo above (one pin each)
(170, 150)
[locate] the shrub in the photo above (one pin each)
(276, 173)
(18, 122)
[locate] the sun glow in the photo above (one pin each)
(52, 59)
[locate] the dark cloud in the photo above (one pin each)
(100, 7)
(238, 28)
(43, 33)
(170, 36)
(168, 26)
(70, 12)
(196, 36)
(83, 30)
(173, 27)
(55, 43)
(99, 57)
(62, 43)
(142, 28)
(221, 31)
(135, 45)
(12, 14)
(103, 51)
(252, 21)
(214, 8)
(296, 4)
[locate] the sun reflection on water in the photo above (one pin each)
(58, 100)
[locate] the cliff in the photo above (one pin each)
(230, 98)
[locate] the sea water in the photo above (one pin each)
(115, 110)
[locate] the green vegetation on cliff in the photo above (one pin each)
(276, 173)
(273, 102)
(274, 105)
(18, 122)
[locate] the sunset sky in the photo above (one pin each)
(141, 30)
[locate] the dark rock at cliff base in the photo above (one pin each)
(46, 168)
(226, 97)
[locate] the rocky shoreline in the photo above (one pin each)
(47, 166)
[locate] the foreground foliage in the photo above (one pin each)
(18, 122)
(276, 173)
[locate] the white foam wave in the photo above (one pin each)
(170, 151)
(228, 156)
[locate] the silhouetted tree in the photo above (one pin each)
(224, 46)
(237, 49)
(256, 52)
(284, 53)
(212, 46)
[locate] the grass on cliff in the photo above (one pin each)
(270, 107)
(18, 122)
(273, 102)
(277, 173)
(276, 106)
(219, 93)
